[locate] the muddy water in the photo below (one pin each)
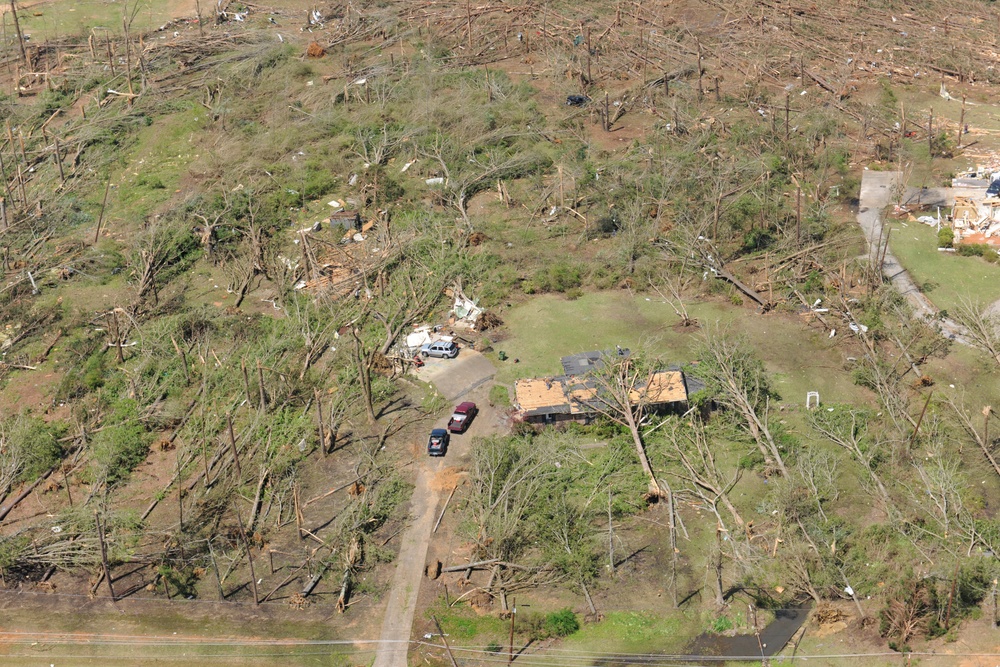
(741, 647)
(772, 638)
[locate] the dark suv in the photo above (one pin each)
(994, 189)
(437, 444)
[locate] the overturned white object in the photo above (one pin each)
(465, 309)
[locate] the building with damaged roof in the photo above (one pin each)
(570, 397)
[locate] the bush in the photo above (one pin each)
(122, 444)
(721, 624)
(153, 182)
(606, 226)
(37, 443)
(561, 623)
(543, 626)
(499, 396)
(946, 238)
(972, 249)
(558, 277)
(813, 283)
(977, 250)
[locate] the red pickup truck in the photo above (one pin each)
(462, 417)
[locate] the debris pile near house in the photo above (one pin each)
(338, 252)
(973, 219)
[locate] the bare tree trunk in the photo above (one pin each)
(640, 450)
(20, 35)
(720, 599)
(363, 365)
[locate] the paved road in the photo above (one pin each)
(455, 378)
(877, 190)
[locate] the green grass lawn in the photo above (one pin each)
(59, 18)
(945, 277)
(182, 634)
(162, 154)
(629, 632)
(548, 327)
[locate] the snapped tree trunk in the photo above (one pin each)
(363, 365)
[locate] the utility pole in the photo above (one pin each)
(319, 414)
(513, 612)
(756, 632)
(232, 444)
(249, 548)
(798, 214)
(961, 124)
(104, 205)
(104, 553)
(930, 134)
(445, 640)
(993, 594)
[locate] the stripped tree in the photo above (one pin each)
(738, 377)
(620, 388)
(982, 326)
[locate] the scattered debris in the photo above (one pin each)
(488, 320)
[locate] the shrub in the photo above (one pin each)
(37, 444)
(722, 624)
(94, 371)
(121, 444)
(558, 277)
(946, 238)
(813, 283)
(153, 182)
(433, 403)
(542, 626)
(971, 249)
(606, 226)
(561, 623)
(977, 250)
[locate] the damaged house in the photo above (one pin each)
(571, 397)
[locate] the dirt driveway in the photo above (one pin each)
(466, 377)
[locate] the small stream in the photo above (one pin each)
(741, 647)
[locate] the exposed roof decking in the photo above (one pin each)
(663, 387)
(541, 394)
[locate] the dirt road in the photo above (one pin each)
(402, 601)
(424, 508)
